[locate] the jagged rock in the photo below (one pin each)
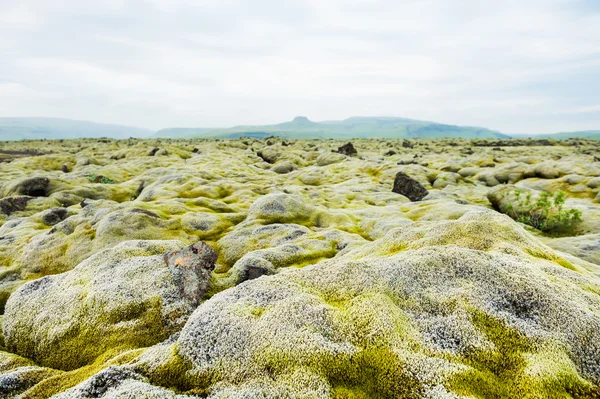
(191, 268)
(409, 187)
(13, 204)
(347, 149)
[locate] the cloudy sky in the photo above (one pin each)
(512, 65)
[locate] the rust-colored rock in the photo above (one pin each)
(191, 268)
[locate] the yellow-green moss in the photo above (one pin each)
(69, 379)
(501, 372)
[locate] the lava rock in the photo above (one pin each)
(347, 149)
(54, 216)
(13, 204)
(191, 268)
(34, 187)
(409, 187)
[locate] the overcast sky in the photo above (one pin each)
(513, 65)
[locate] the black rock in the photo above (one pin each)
(407, 144)
(253, 272)
(34, 187)
(13, 204)
(347, 149)
(65, 169)
(390, 153)
(140, 188)
(54, 216)
(409, 187)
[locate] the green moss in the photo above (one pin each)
(501, 371)
(88, 340)
(1, 334)
(174, 373)
(66, 380)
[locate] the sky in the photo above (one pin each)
(515, 66)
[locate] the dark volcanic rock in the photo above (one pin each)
(407, 144)
(191, 268)
(347, 149)
(153, 151)
(65, 169)
(409, 187)
(54, 216)
(140, 188)
(13, 204)
(34, 187)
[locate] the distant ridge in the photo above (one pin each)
(57, 128)
(355, 127)
(300, 127)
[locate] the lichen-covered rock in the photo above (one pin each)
(125, 297)
(586, 247)
(472, 304)
(329, 158)
(283, 167)
(269, 154)
(546, 171)
(118, 383)
(409, 187)
(445, 179)
(280, 208)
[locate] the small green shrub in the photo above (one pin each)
(100, 179)
(545, 214)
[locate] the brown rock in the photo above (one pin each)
(191, 268)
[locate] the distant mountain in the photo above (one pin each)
(57, 128)
(355, 127)
(588, 134)
(181, 132)
(299, 128)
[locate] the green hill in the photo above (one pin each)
(355, 127)
(588, 134)
(56, 128)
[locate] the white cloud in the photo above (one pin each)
(512, 65)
